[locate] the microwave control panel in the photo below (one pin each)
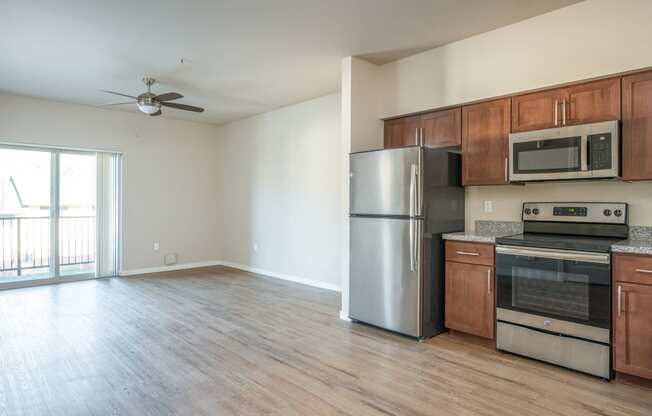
(599, 151)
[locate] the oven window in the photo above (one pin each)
(544, 156)
(570, 290)
(549, 292)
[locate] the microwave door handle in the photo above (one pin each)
(584, 144)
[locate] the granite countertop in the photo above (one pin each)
(640, 241)
(486, 231)
(633, 246)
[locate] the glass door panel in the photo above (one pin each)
(77, 214)
(25, 215)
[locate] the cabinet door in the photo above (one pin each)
(442, 128)
(637, 126)
(633, 329)
(592, 102)
(485, 130)
(469, 302)
(401, 131)
(539, 110)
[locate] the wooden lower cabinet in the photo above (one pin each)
(633, 329)
(469, 298)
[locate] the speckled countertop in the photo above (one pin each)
(639, 242)
(486, 231)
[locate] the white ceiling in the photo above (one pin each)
(247, 56)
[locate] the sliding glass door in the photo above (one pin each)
(25, 216)
(50, 201)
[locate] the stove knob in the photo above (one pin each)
(528, 211)
(618, 213)
(535, 211)
(607, 212)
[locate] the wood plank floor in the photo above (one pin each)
(216, 341)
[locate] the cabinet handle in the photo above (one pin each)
(620, 292)
(563, 112)
(556, 112)
(466, 253)
(488, 281)
(416, 136)
(506, 168)
(644, 270)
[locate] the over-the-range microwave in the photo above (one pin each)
(587, 151)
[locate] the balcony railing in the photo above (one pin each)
(25, 242)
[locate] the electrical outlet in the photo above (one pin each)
(488, 206)
(156, 246)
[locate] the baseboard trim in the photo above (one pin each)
(184, 266)
(345, 316)
(295, 279)
(180, 266)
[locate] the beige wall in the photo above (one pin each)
(281, 186)
(170, 170)
(587, 39)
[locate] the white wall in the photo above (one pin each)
(281, 188)
(584, 40)
(170, 171)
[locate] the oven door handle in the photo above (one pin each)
(580, 256)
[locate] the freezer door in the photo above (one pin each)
(385, 182)
(385, 279)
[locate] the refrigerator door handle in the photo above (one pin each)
(413, 189)
(412, 245)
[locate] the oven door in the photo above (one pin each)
(564, 285)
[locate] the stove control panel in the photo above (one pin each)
(588, 212)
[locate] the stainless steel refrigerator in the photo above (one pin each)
(401, 201)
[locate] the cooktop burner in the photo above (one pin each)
(560, 241)
(579, 226)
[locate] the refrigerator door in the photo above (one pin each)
(385, 273)
(386, 182)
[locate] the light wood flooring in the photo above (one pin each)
(216, 341)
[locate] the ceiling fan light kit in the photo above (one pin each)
(150, 103)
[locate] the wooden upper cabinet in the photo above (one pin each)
(485, 131)
(539, 110)
(633, 329)
(592, 102)
(637, 126)
(442, 128)
(402, 131)
(578, 104)
(436, 129)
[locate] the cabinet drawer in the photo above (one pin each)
(473, 253)
(633, 269)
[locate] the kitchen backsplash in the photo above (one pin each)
(499, 227)
(507, 200)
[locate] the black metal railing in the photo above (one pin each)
(25, 242)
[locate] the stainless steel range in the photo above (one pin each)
(554, 284)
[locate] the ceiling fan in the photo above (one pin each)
(150, 103)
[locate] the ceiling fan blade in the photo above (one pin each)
(158, 113)
(110, 104)
(119, 93)
(183, 107)
(169, 96)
